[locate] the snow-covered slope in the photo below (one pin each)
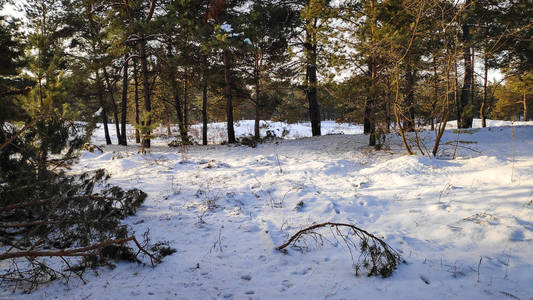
(464, 226)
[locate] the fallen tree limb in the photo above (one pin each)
(45, 201)
(376, 255)
(303, 231)
(64, 252)
(77, 251)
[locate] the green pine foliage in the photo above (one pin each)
(43, 207)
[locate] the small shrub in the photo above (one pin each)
(249, 141)
(179, 143)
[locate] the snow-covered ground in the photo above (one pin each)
(463, 225)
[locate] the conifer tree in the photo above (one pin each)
(315, 15)
(268, 28)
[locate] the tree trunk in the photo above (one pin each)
(456, 93)
(484, 99)
(389, 102)
(396, 109)
(371, 105)
(227, 95)
(446, 110)
(175, 93)
(472, 84)
(167, 116)
(525, 105)
(465, 106)
(204, 113)
(146, 91)
(257, 134)
(366, 118)
(435, 95)
(114, 106)
(124, 141)
(101, 99)
(135, 78)
(311, 83)
(372, 116)
(409, 124)
(186, 100)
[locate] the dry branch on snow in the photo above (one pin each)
(376, 256)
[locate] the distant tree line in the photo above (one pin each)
(388, 64)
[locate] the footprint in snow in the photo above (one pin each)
(303, 272)
(246, 277)
(286, 285)
(517, 236)
(425, 279)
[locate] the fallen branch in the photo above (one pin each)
(64, 252)
(77, 251)
(305, 230)
(377, 256)
(45, 201)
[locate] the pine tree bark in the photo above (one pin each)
(204, 114)
(435, 95)
(136, 82)
(372, 68)
(204, 99)
(409, 124)
(167, 117)
(372, 103)
(101, 99)
(465, 116)
(113, 106)
(484, 99)
(124, 138)
(146, 90)
(186, 100)
(525, 105)
(311, 83)
(227, 95)
(389, 101)
(456, 99)
(175, 93)
(257, 134)
(366, 117)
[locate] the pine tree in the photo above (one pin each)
(315, 15)
(268, 28)
(224, 17)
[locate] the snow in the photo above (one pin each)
(226, 27)
(98, 112)
(226, 208)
